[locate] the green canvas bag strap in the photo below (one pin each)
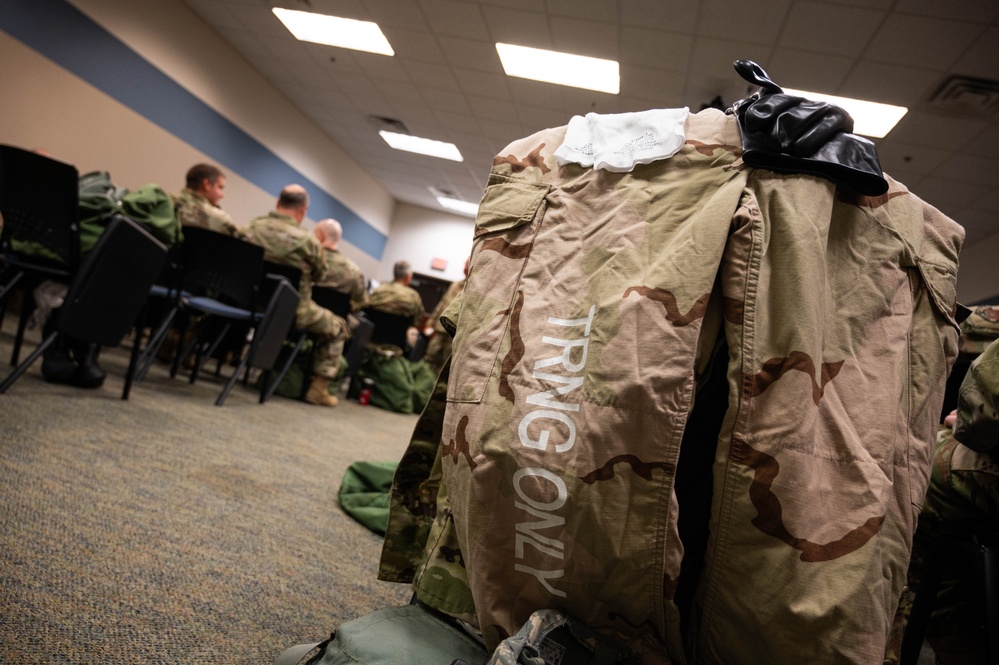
(294, 655)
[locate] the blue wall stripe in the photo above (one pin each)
(63, 34)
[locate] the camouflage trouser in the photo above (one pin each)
(329, 333)
(962, 499)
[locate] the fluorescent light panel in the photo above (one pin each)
(869, 118)
(462, 207)
(422, 146)
(577, 71)
(335, 31)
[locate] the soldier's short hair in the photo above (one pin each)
(293, 196)
(401, 270)
(201, 172)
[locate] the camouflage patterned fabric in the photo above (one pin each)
(439, 346)
(193, 209)
(979, 329)
(284, 241)
(396, 298)
(344, 275)
(962, 500)
(590, 314)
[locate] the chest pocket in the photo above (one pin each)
(510, 215)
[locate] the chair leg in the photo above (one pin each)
(243, 364)
(268, 390)
(23, 367)
(202, 358)
(22, 324)
(990, 561)
(140, 326)
(152, 348)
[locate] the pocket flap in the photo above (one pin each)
(941, 283)
(508, 203)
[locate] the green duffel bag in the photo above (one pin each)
(407, 635)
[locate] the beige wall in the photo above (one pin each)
(420, 235)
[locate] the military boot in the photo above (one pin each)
(88, 373)
(57, 365)
(319, 392)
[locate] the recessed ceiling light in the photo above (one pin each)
(335, 31)
(577, 71)
(869, 118)
(462, 207)
(422, 146)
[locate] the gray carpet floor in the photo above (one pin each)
(164, 529)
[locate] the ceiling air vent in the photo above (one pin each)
(970, 96)
(388, 124)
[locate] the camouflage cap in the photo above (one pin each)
(978, 406)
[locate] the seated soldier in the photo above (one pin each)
(284, 241)
(341, 273)
(398, 297)
(198, 203)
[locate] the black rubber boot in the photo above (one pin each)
(88, 373)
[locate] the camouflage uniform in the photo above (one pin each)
(597, 305)
(284, 241)
(439, 346)
(193, 209)
(344, 275)
(962, 500)
(396, 298)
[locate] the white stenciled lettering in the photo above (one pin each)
(534, 485)
(541, 443)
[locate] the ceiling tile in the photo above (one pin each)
(415, 47)
(757, 21)
(896, 157)
(433, 77)
(517, 27)
(587, 38)
(807, 70)
(652, 84)
(832, 29)
(935, 130)
(486, 109)
(890, 84)
(978, 225)
(980, 11)
(655, 48)
(981, 58)
(971, 169)
(903, 40)
(595, 10)
(672, 15)
(493, 86)
(395, 14)
(452, 102)
(536, 93)
(455, 19)
(459, 122)
(480, 56)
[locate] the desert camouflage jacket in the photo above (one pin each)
(193, 209)
(396, 298)
(792, 339)
(344, 275)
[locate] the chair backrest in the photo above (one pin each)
(112, 284)
(389, 328)
(278, 318)
(290, 273)
(40, 203)
(222, 267)
(335, 301)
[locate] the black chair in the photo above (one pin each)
(335, 301)
(331, 299)
(389, 328)
(39, 202)
(269, 334)
(106, 295)
(219, 289)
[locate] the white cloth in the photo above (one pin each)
(617, 142)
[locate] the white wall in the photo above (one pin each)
(420, 235)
